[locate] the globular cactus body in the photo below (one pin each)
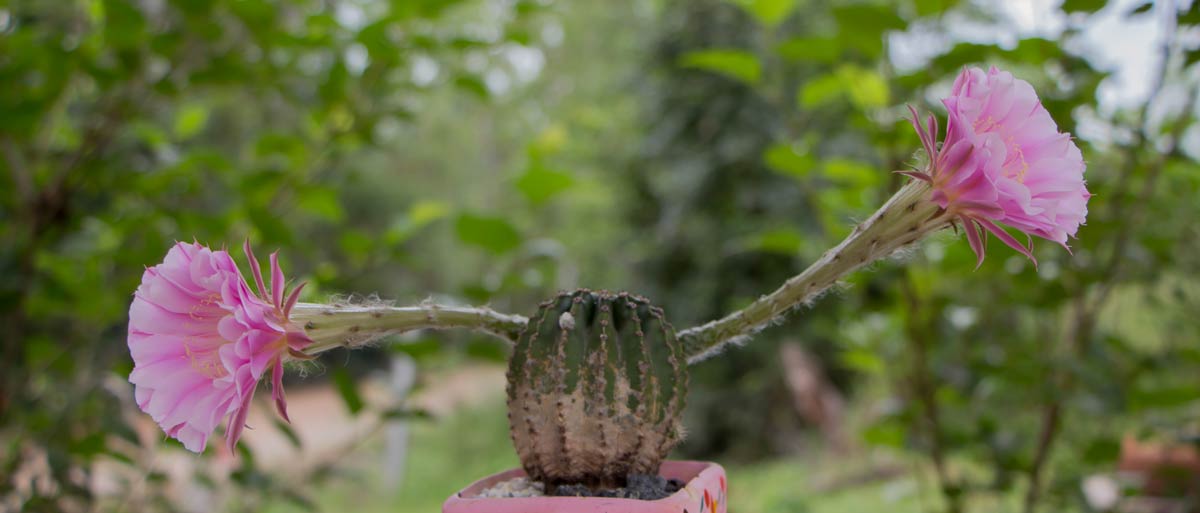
(596, 385)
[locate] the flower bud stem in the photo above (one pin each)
(905, 218)
(331, 326)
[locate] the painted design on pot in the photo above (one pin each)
(711, 502)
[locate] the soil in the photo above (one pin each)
(517, 487)
(638, 486)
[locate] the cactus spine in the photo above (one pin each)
(596, 385)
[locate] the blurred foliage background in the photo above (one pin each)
(698, 152)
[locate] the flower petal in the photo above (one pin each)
(1007, 239)
(974, 238)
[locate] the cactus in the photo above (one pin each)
(596, 385)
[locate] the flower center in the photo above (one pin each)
(1016, 159)
(1015, 165)
(202, 305)
(204, 359)
(202, 355)
(987, 124)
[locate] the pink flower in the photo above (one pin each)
(201, 340)
(1003, 161)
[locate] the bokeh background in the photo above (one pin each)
(697, 152)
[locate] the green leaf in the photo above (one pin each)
(886, 433)
(472, 84)
(321, 202)
(520, 36)
(150, 135)
(540, 185)
(768, 12)
(867, 18)
(528, 7)
(491, 233)
(863, 26)
(124, 24)
(551, 140)
(866, 88)
(356, 243)
(347, 388)
(931, 7)
(849, 172)
(820, 91)
(1160, 397)
(784, 158)
(487, 349)
(419, 215)
(1190, 57)
(1191, 17)
(863, 360)
(783, 241)
(426, 211)
(1088, 6)
(190, 120)
(961, 55)
(89, 445)
(737, 64)
(1144, 8)
(467, 43)
(1036, 50)
(270, 225)
(1102, 450)
(811, 49)
(40, 351)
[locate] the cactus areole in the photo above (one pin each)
(596, 385)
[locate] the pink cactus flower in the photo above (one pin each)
(1003, 161)
(201, 340)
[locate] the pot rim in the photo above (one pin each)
(700, 477)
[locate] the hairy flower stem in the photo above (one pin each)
(906, 217)
(331, 326)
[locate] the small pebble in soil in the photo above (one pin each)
(516, 487)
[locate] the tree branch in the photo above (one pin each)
(925, 393)
(17, 167)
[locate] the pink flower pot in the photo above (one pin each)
(705, 493)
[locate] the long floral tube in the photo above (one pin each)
(905, 218)
(332, 326)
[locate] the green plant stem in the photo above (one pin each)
(333, 326)
(905, 218)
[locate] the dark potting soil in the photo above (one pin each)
(637, 486)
